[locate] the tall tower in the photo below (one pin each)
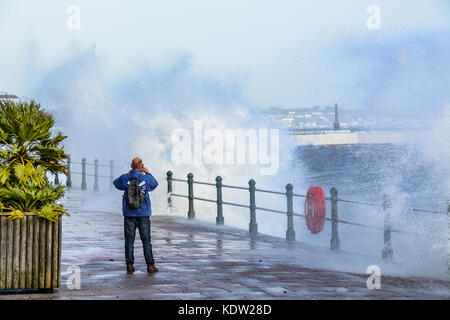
(336, 125)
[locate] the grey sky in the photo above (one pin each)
(286, 53)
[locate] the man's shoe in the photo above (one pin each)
(151, 269)
(130, 268)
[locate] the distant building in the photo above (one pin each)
(5, 96)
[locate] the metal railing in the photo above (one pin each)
(386, 205)
(84, 174)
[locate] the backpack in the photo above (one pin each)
(134, 196)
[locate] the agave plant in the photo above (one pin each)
(28, 151)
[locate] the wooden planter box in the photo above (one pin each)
(30, 253)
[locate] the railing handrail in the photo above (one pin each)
(298, 214)
(90, 175)
(304, 196)
(93, 164)
(69, 162)
(234, 187)
(387, 251)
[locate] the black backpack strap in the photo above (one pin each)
(140, 176)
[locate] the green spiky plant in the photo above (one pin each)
(27, 152)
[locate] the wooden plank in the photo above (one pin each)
(23, 252)
(55, 255)
(3, 245)
(35, 264)
(48, 254)
(9, 253)
(30, 253)
(29, 259)
(59, 249)
(16, 254)
(42, 229)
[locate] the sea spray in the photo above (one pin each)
(138, 115)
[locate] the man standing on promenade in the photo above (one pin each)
(136, 207)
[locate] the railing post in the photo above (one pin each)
(96, 175)
(219, 218)
(191, 212)
(169, 188)
(253, 226)
(290, 233)
(69, 177)
(387, 252)
(335, 243)
(111, 175)
(83, 174)
(56, 182)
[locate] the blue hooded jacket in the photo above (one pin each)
(147, 183)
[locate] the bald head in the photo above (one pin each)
(136, 164)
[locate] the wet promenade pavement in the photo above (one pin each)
(201, 261)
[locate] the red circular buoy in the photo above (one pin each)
(315, 209)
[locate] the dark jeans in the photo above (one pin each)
(143, 224)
